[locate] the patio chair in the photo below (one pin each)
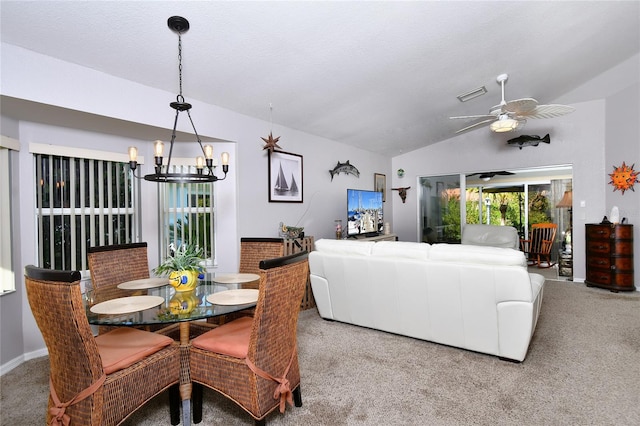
(96, 380)
(254, 361)
(538, 247)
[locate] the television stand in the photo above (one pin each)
(381, 237)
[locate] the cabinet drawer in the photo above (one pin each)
(599, 232)
(599, 277)
(622, 280)
(622, 264)
(599, 262)
(622, 248)
(599, 247)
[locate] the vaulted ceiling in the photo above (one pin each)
(382, 76)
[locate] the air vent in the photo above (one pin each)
(472, 94)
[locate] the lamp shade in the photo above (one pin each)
(504, 124)
(566, 201)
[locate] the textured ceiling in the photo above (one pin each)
(382, 76)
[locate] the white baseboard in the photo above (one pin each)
(5, 368)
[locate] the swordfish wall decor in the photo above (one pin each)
(285, 177)
(345, 168)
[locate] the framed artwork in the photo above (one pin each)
(285, 177)
(380, 184)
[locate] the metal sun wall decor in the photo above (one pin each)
(623, 178)
(345, 168)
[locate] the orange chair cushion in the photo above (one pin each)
(230, 339)
(125, 346)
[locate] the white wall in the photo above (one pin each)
(599, 134)
(242, 198)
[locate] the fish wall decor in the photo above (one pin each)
(528, 140)
(346, 168)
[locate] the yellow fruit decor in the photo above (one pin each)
(184, 267)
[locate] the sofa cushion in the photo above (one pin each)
(402, 249)
(341, 247)
(477, 254)
(490, 235)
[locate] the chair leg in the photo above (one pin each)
(196, 400)
(297, 397)
(174, 404)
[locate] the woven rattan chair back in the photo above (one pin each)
(74, 359)
(56, 303)
(273, 338)
(115, 264)
(272, 345)
(253, 250)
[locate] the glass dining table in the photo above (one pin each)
(182, 315)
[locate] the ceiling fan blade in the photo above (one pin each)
(520, 106)
(481, 123)
(469, 117)
(549, 111)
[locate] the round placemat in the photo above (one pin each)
(239, 296)
(126, 305)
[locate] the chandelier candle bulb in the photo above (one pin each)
(199, 163)
(208, 152)
(133, 157)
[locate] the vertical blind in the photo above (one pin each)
(188, 214)
(81, 203)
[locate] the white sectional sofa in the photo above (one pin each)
(472, 297)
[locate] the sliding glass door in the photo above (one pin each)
(517, 198)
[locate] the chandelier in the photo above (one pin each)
(205, 164)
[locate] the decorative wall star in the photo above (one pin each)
(271, 142)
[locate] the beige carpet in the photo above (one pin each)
(583, 368)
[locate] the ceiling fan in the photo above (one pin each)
(488, 175)
(509, 116)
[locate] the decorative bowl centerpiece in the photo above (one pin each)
(183, 266)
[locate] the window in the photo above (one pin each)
(187, 214)
(7, 276)
(81, 203)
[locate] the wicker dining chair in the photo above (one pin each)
(96, 380)
(114, 264)
(254, 361)
(253, 250)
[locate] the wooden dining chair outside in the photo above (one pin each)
(103, 379)
(254, 361)
(538, 247)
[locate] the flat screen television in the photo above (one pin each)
(364, 213)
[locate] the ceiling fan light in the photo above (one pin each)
(504, 124)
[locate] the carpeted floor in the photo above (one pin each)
(583, 368)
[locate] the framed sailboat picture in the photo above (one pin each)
(285, 177)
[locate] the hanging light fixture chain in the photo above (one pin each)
(180, 97)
